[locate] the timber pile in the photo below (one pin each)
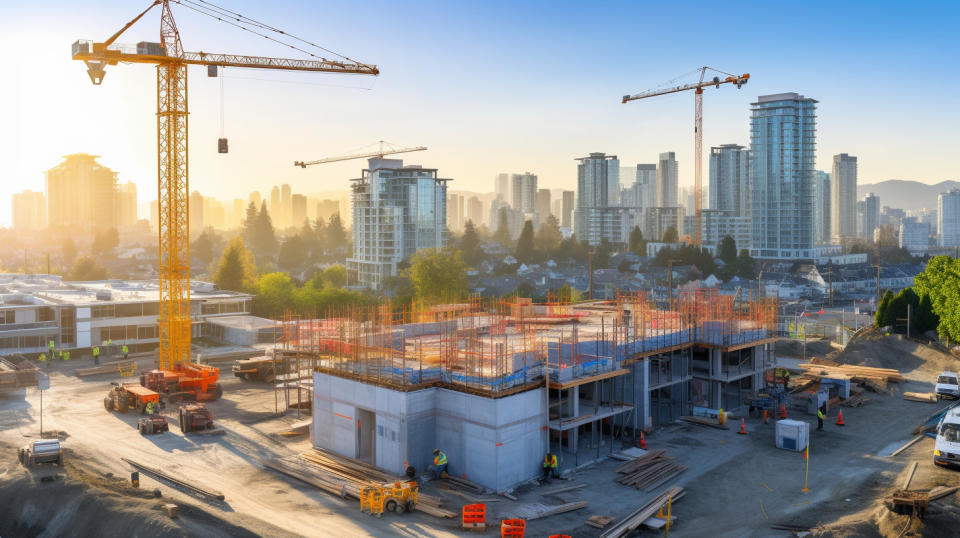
(649, 471)
(927, 397)
(345, 477)
(635, 519)
(598, 522)
(875, 379)
(108, 368)
(13, 375)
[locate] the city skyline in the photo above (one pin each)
(316, 117)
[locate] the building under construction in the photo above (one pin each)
(495, 385)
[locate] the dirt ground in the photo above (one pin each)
(736, 485)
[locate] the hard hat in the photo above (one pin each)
(436, 450)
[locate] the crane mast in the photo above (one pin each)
(697, 129)
(173, 184)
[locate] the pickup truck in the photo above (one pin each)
(42, 451)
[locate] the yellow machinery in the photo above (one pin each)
(173, 186)
(396, 497)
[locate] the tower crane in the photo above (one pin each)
(386, 148)
(171, 61)
(697, 87)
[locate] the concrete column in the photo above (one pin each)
(644, 366)
(573, 435)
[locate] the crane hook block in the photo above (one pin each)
(211, 71)
(222, 145)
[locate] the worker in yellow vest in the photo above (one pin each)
(125, 350)
(550, 467)
(96, 354)
(439, 462)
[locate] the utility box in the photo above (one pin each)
(793, 435)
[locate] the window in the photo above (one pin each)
(102, 311)
(950, 433)
(209, 308)
(45, 313)
(947, 380)
(129, 310)
(147, 333)
(151, 309)
(8, 316)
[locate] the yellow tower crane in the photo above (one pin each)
(698, 87)
(172, 110)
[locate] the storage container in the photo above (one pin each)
(792, 434)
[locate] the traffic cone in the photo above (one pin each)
(840, 417)
(783, 411)
(743, 427)
(643, 441)
(764, 416)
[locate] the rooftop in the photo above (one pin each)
(21, 289)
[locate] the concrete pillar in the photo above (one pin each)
(644, 366)
(573, 434)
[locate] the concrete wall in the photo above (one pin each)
(495, 442)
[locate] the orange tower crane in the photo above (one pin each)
(172, 110)
(698, 87)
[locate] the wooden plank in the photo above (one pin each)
(568, 507)
(209, 493)
(598, 522)
(942, 491)
(636, 518)
(907, 445)
(563, 489)
(909, 477)
(927, 397)
(588, 379)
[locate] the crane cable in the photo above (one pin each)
(224, 14)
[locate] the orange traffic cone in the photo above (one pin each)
(743, 427)
(840, 417)
(783, 411)
(764, 416)
(643, 441)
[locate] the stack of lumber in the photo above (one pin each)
(23, 374)
(463, 483)
(598, 522)
(875, 379)
(704, 421)
(649, 471)
(538, 510)
(635, 519)
(345, 477)
(927, 397)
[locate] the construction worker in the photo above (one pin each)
(439, 463)
(42, 357)
(50, 346)
(66, 355)
(786, 379)
(125, 351)
(96, 354)
(821, 413)
(550, 467)
(148, 409)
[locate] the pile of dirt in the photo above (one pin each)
(872, 348)
(81, 504)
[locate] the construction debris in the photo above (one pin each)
(907, 445)
(909, 477)
(209, 493)
(927, 397)
(705, 421)
(941, 491)
(635, 519)
(649, 471)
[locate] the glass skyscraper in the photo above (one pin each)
(397, 210)
(783, 146)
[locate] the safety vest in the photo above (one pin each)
(149, 408)
(550, 461)
(440, 459)
(124, 349)
(42, 357)
(96, 352)
(66, 355)
(820, 414)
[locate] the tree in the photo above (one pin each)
(883, 317)
(525, 250)
(69, 250)
(502, 235)
(548, 235)
(925, 319)
(746, 266)
(336, 235)
(470, 244)
(86, 268)
(438, 276)
(105, 241)
(572, 249)
(335, 276)
(687, 255)
(887, 237)
(568, 294)
(274, 294)
(293, 253)
(636, 243)
(941, 281)
(727, 251)
(670, 235)
(250, 222)
(601, 256)
(203, 248)
(263, 239)
(236, 270)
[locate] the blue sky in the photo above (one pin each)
(487, 86)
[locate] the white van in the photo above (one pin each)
(947, 385)
(946, 451)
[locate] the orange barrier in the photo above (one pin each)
(474, 515)
(512, 528)
(559, 536)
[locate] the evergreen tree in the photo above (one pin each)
(502, 235)
(68, 249)
(86, 268)
(728, 250)
(524, 252)
(746, 266)
(548, 235)
(636, 243)
(264, 240)
(883, 317)
(293, 253)
(470, 244)
(925, 319)
(203, 248)
(236, 270)
(336, 235)
(670, 235)
(438, 276)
